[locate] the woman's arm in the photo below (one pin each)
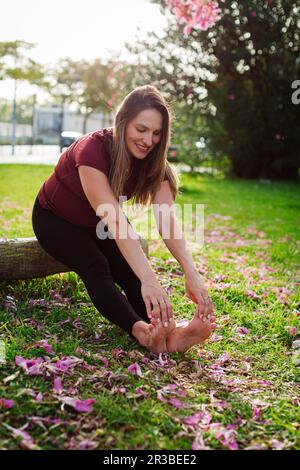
(168, 227)
(99, 194)
(174, 240)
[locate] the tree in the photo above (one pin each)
(238, 74)
(15, 64)
(92, 86)
(195, 14)
(188, 132)
(5, 110)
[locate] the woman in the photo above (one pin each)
(86, 184)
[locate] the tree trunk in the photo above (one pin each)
(24, 258)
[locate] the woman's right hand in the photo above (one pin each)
(156, 300)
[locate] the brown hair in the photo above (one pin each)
(152, 169)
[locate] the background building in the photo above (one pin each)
(49, 122)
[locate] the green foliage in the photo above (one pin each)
(5, 110)
(23, 112)
(238, 74)
(252, 94)
(91, 85)
(187, 131)
(15, 64)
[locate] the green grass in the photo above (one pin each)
(250, 262)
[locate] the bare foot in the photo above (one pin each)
(153, 336)
(184, 336)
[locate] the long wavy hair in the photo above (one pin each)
(153, 168)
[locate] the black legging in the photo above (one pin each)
(99, 263)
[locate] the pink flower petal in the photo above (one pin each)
(135, 369)
(199, 444)
(82, 406)
(31, 366)
(39, 397)
(242, 330)
(176, 403)
(44, 344)
(57, 385)
(256, 413)
(6, 404)
(194, 419)
(226, 437)
(277, 444)
(64, 365)
(291, 330)
(223, 358)
(139, 392)
(87, 444)
(118, 352)
(26, 441)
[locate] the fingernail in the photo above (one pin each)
(166, 323)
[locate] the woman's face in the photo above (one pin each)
(143, 132)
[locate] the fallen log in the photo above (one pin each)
(24, 258)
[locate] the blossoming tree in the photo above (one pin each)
(197, 14)
(233, 63)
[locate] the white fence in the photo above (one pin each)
(49, 122)
(25, 150)
(23, 131)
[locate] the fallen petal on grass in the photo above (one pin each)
(30, 366)
(135, 369)
(82, 406)
(6, 404)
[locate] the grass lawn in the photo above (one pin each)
(239, 390)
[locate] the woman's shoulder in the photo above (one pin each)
(94, 140)
(101, 135)
(101, 138)
(93, 149)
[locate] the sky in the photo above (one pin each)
(77, 29)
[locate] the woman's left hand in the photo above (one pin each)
(197, 292)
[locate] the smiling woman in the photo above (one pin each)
(142, 123)
(141, 139)
(87, 183)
